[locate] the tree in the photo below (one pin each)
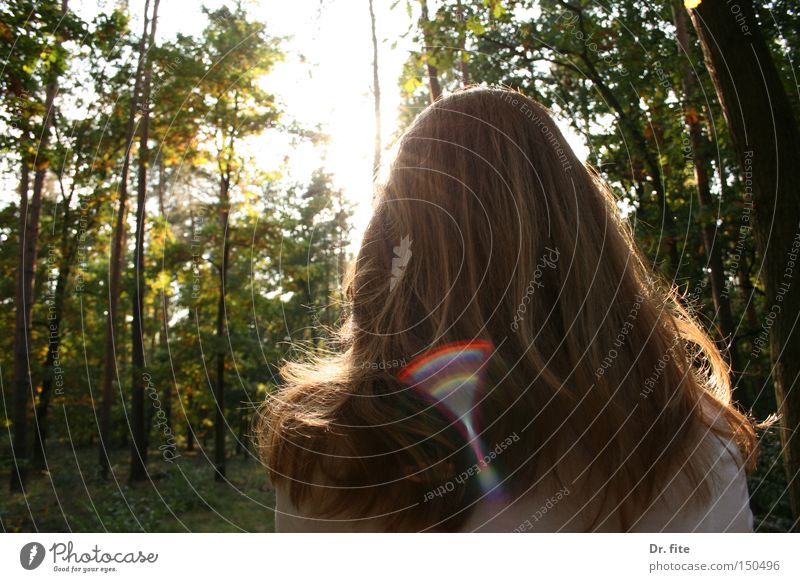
(110, 370)
(313, 220)
(765, 136)
(376, 92)
(30, 212)
(139, 442)
(237, 53)
(463, 55)
(429, 50)
(85, 161)
(556, 59)
(701, 162)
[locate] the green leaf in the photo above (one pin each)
(411, 84)
(475, 27)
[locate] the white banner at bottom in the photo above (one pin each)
(353, 557)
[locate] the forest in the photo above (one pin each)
(157, 266)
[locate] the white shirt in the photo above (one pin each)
(728, 509)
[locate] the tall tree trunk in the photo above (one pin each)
(190, 435)
(433, 72)
(110, 371)
(30, 212)
(745, 382)
(53, 358)
(747, 296)
(162, 336)
(631, 125)
(376, 92)
(138, 370)
(767, 143)
(189, 408)
(341, 231)
(22, 337)
(240, 434)
(462, 43)
(219, 386)
(722, 307)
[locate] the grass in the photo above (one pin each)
(179, 497)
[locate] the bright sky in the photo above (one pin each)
(326, 80)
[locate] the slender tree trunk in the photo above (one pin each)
(462, 43)
(747, 296)
(22, 337)
(341, 251)
(140, 378)
(162, 336)
(189, 409)
(767, 143)
(189, 430)
(240, 434)
(53, 358)
(30, 212)
(376, 92)
(631, 125)
(219, 386)
(110, 371)
(743, 272)
(722, 307)
(428, 49)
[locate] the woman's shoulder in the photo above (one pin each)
(680, 505)
(726, 507)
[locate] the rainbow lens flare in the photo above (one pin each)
(451, 376)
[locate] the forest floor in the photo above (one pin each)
(181, 496)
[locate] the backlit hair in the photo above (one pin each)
(510, 238)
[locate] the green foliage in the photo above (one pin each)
(182, 496)
(613, 74)
(287, 243)
(608, 71)
(769, 499)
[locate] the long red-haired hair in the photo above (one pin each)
(488, 226)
